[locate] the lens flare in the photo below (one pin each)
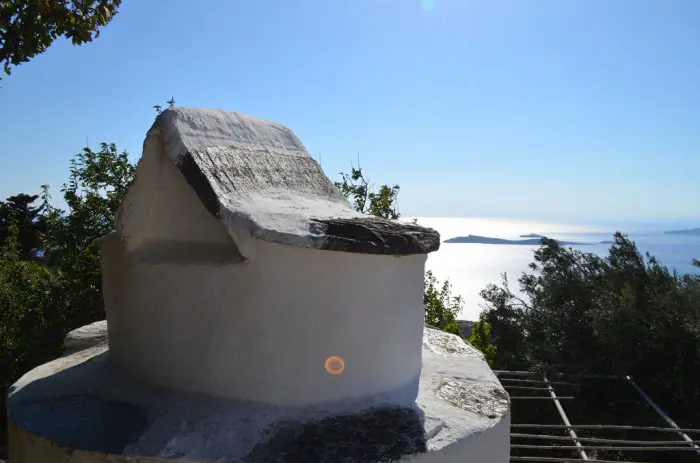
(428, 4)
(335, 365)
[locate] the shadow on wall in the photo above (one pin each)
(383, 434)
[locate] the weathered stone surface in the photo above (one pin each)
(461, 414)
(487, 399)
(85, 337)
(373, 235)
(447, 344)
(85, 421)
(258, 179)
(377, 435)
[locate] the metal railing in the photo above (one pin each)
(521, 381)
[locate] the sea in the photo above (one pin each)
(471, 267)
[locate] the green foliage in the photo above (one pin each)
(170, 103)
(98, 181)
(29, 27)
(41, 299)
(27, 309)
(19, 211)
(441, 307)
(620, 314)
(481, 339)
(380, 202)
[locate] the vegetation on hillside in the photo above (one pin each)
(50, 277)
(481, 339)
(622, 314)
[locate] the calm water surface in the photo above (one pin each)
(470, 267)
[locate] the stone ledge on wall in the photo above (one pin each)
(85, 337)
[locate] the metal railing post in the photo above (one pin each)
(565, 419)
(663, 415)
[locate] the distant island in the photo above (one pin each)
(532, 235)
(475, 239)
(690, 231)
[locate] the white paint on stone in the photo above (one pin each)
(162, 218)
(490, 445)
(243, 305)
(262, 331)
(84, 337)
(192, 428)
(442, 343)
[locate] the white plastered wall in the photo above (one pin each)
(262, 330)
(185, 311)
(490, 445)
(162, 218)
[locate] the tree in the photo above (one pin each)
(441, 307)
(380, 202)
(622, 314)
(27, 308)
(29, 27)
(97, 184)
(19, 211)
(481, 339)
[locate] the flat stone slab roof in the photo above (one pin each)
(256, 177)
(79, 403)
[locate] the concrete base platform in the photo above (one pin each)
(80, 409)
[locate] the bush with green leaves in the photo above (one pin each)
(98, 181)
(367, 199)
(441, 307)
(28, 309)
(50, 276)
(622, 314)
(481, 339)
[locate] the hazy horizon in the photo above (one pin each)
(470, 267)
(650, 224)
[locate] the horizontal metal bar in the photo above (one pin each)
(516, 373)
(564, 460)
(558, 375)
(534, 381)
(514, 397)
(529, 388)
(684, 448)
(663, 415)
(603, 427)
(596, 439)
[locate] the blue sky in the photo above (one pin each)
(576, 110)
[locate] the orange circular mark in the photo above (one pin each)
(335, 365)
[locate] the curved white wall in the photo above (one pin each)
(262, 330)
